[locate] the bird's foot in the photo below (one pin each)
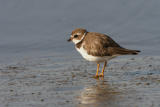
(96, 76)
(101, 75)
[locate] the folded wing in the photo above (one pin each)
(102, 45)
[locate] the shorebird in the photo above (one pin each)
(97, 47)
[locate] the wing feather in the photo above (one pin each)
(99, 44)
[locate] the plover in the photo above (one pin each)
(97, 47)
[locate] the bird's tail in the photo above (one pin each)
(123, 51)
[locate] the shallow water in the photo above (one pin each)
(40, 28)
(132, 82)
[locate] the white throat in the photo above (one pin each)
(77, 41)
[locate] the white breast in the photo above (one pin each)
(88, 57)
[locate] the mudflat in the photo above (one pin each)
(128, 82)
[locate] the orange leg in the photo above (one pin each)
(97, 70)
(102, 74)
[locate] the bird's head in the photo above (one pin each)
(77, 35)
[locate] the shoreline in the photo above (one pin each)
(44, 82)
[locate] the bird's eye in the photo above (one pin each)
(75, 36)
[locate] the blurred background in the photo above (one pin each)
(38, 28)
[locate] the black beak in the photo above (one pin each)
(69, 40)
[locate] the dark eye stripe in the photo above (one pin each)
(75, 36)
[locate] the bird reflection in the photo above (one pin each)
(99, 95)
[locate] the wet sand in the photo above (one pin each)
(44, 82)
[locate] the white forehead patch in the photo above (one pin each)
(79, 33)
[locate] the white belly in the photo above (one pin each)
(88, 57)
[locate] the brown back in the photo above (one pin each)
(98, 44)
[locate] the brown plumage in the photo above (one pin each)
(98, 44)
(98, 47)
